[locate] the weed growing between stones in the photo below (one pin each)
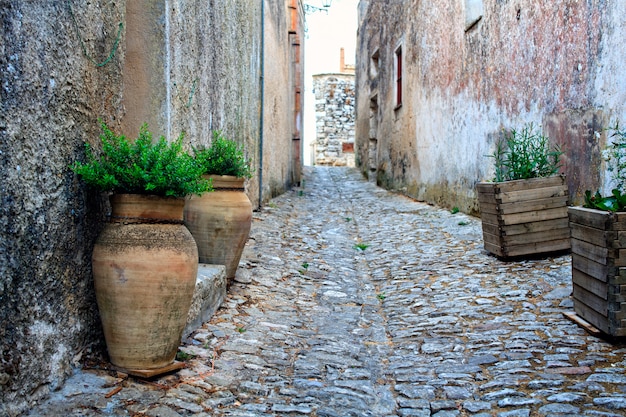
(361, 246)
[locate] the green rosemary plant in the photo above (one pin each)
(141, 166)
(223, 157)
(525, 153)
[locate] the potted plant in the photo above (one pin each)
(220, 221)
(598, 239)
(524, 209)
(145, 260)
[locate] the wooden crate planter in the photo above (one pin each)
(599, 268)
(524, 217)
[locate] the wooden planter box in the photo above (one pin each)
(524, 217)
(599, 268)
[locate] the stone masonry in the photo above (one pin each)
(334, 114)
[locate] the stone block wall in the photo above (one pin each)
(334, 115)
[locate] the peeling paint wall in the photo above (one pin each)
(190, 66)
(555, 64)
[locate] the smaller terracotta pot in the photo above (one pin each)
(220, 222)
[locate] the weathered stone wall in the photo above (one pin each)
(552, 63)
(277, 135)
(51, 97)
(193, 75)
(179, 65)
(334, 116)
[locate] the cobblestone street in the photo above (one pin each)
(354, 301)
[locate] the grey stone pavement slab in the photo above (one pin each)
(355, 301)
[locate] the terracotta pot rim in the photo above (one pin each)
(149, 208)
(226, 182)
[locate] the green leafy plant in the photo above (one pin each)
(361, 246)
(141, 167)
(615, 155)
(525, 153)
(381, 296)
(223, 157)
(305, 267)
(454, 210)
(463, 223)
(184, 356)
(615, 202)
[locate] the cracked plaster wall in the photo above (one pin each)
(555, 64)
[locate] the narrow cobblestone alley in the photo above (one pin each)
(354, 301)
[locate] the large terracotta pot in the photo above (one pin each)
(220, 222)
(145, 264)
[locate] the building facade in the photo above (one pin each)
(334, 119)
(192, 66)
(438, 83)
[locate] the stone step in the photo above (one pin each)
(208, 296)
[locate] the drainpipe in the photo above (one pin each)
(262, 87)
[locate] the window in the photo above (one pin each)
(398, 76)
(374, 65)
(474, 10)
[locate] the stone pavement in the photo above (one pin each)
(354, 301)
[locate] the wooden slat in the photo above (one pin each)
(495, 249)
(598, 237)
(589, 217)
(532, 227)
(535, 216)
(592, 330)
(487, 197)
(526, 238)
(517, 185)
(596, 253)
(489, 218)
(590, 284)
(620, 276)
(538, 247)
(493, 239)
(491, 229)
(590, 300)
(619, 226)
(491, 208)
(531, 205)
(591, 268)
(592, 316)
(486, 187)
(621, 330)
(620, 239)
(530, 194)
(620, 257)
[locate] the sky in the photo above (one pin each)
(326, 34)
